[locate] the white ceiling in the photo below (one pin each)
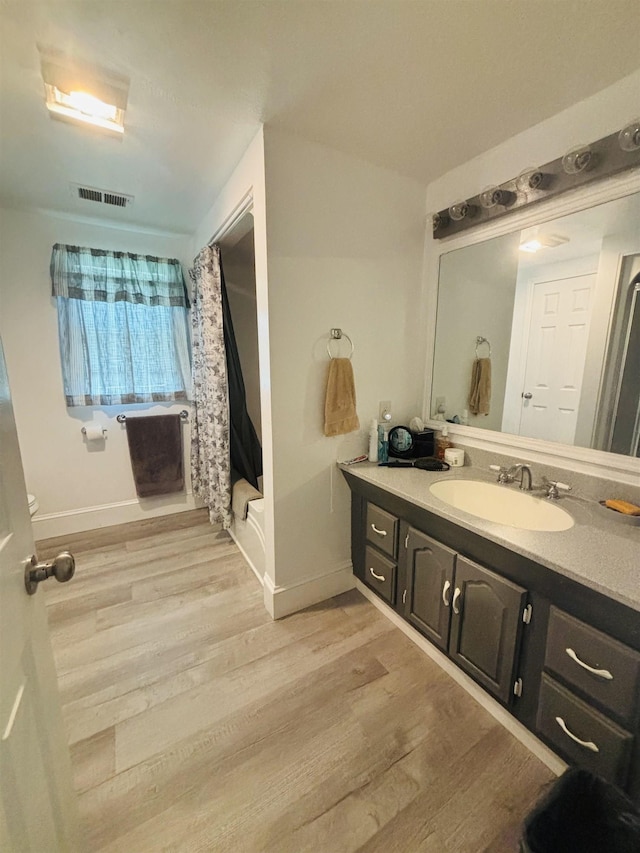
(417, 86)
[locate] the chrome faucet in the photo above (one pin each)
(510, 475)
(520, 469)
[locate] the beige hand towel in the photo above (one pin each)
(340, 400)
(480, 392)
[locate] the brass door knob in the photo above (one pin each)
(61, 567)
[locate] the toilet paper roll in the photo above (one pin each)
(93, 432)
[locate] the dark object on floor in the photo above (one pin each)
(582, 813)
(155, 448)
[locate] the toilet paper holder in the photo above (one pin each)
(91, 435)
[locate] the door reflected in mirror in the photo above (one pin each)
(558, 307)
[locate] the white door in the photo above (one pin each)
(37, 803)
(557, 346)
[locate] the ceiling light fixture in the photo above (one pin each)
(81, 106)
(84, 94)
(629, 136)
(543, 241)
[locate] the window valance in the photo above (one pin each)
(97, 275)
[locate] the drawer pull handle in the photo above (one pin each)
(377, 577)
(587, 744)
(456, 598)
(601, 673)
(378, 531)
(446, 598)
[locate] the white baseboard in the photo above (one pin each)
(282, 600)
(47, 525)
(539, 749)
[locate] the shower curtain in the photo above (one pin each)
(224, 445)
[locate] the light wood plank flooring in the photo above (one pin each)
(198, 724)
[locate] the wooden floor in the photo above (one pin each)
(198, 724)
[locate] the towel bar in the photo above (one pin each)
(122, 418)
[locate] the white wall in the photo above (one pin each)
(345, 245)
(585, 121)
(77, 487)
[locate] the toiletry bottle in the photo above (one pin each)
(373, 441)
(383, 443)
(442, 442)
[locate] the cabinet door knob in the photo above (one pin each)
(600, 673)
(445, 593)
(456, 599)
(587, 744)
(378, 531)
(377, 577)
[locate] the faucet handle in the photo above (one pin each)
(554, 487)
(503, 473)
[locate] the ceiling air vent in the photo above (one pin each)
(101, 196)
(89, 195)
(117, 200)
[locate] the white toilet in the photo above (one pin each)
(33, 505)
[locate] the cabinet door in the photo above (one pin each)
(430, 568)
(486, 623)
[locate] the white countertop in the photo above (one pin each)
(599, 551)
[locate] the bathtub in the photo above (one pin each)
(248, 534)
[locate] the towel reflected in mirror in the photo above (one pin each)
(480, 391)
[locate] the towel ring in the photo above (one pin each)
(481, 340)
(337, 335)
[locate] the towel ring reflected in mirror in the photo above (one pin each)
(480, 340)
(338, 335)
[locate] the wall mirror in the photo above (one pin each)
(558, 308)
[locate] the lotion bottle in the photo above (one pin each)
(442, 442)
(373, 441)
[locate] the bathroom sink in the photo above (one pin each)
(502, 504)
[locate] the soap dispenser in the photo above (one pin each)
(442, 442)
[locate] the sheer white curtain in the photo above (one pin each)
(210, 457)
(123, 323)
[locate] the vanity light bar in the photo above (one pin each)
(608, 156)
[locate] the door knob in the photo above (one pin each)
(527, 395)
(61, 567)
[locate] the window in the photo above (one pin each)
(123, 322)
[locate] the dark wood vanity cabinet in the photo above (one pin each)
(485, 627)
(561, 657)
(588, 702)
(429, 586)
(465, 609)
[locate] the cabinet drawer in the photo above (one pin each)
(565, 720)
(602, 668)
(380, 574)
(382, 530)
